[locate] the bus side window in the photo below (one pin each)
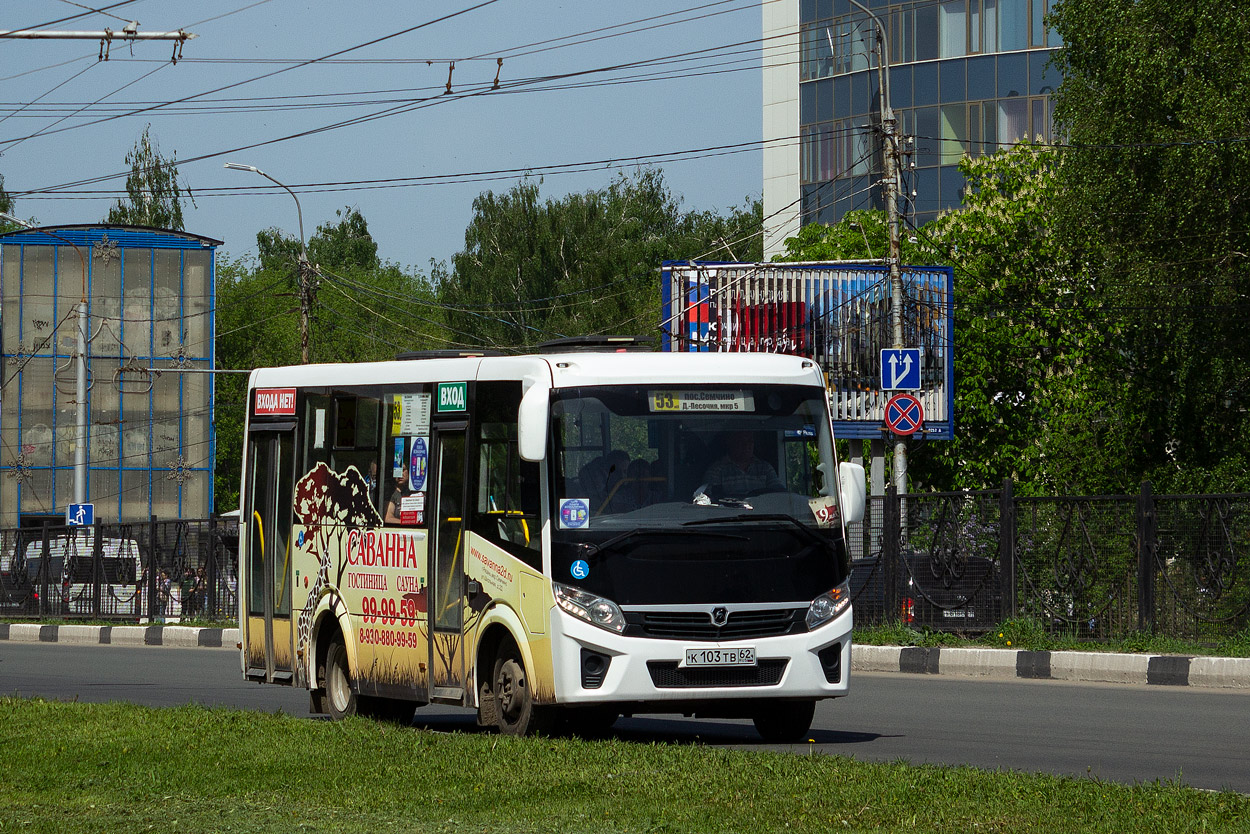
(506, 509)
(358, 440)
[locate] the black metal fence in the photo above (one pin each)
(150, 571)
(1101, 566)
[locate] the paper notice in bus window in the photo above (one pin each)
(399, 461)
(319, 428)
(412, 509)
(414, 415)
(825, 509)
(574, 513)
(701, 401)
(397, 411)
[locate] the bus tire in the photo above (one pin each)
(516, 714)
(341, 700)
(780, 722)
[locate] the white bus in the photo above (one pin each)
(554, 539)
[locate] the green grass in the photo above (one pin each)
(1035, 636)
(70, 767)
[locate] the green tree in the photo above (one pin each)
(1155, 197)
(365, 309)
(533, 270)
(6, 201)
(1028, 390)
(154, 197)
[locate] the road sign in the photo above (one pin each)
(900, 369)
(904, 414)
(80, 515)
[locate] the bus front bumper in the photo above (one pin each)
(595, 666)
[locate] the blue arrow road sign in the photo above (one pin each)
(80, 515)
(900, 369)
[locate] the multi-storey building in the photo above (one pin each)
(965, 77)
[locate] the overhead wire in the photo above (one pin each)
(102, 10)
(91, 10)
(10, 145)
(224, 14)
(285, 69)
(49, 92)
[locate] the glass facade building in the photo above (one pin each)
(966, 76)
(150, 434)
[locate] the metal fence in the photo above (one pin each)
(1095, 566)
(153, 571)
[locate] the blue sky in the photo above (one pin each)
(692, 90)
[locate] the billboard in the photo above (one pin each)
(837, 314)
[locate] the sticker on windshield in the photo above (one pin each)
(825, 510)
(700, 401)
(574, 513)
(580, 569)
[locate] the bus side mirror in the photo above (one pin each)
(532, 418)
(851, 476)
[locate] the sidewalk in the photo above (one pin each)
(1085, 667)
(990, 664)
(185, 637)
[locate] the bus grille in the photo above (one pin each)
(665, 674)
(697, 625)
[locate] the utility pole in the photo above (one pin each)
(890, 186)
(306, 273)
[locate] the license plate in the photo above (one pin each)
(738, 656)
(958, 614)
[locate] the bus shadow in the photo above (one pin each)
(661, 729)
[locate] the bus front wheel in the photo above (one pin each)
(341, 700)
(784, 721)
(515, 711)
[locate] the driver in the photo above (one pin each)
(739, 472)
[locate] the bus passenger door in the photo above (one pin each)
(269, 639)
(447, 662)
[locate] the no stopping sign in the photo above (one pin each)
(903, 414)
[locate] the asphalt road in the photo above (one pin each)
(1119, 733)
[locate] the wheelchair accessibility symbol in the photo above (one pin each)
(580, 569)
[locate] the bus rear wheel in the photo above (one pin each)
(780, 722)
(341, 699)
(516, 714)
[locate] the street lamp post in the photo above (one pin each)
(80, 388)
(306, 286)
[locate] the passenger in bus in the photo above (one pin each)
(739, 472)
(394, 503)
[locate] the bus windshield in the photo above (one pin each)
(688, 493)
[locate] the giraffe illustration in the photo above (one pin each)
(328, 504)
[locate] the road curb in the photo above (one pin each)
(149, 635)
(990, 664)
(1085, 667)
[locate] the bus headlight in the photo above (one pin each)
(589, 607)
(829, 605)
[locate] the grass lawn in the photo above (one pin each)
(68, 767)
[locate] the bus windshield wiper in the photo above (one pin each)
(590, 548)
(740, 517)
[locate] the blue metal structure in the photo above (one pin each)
(151, 334)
